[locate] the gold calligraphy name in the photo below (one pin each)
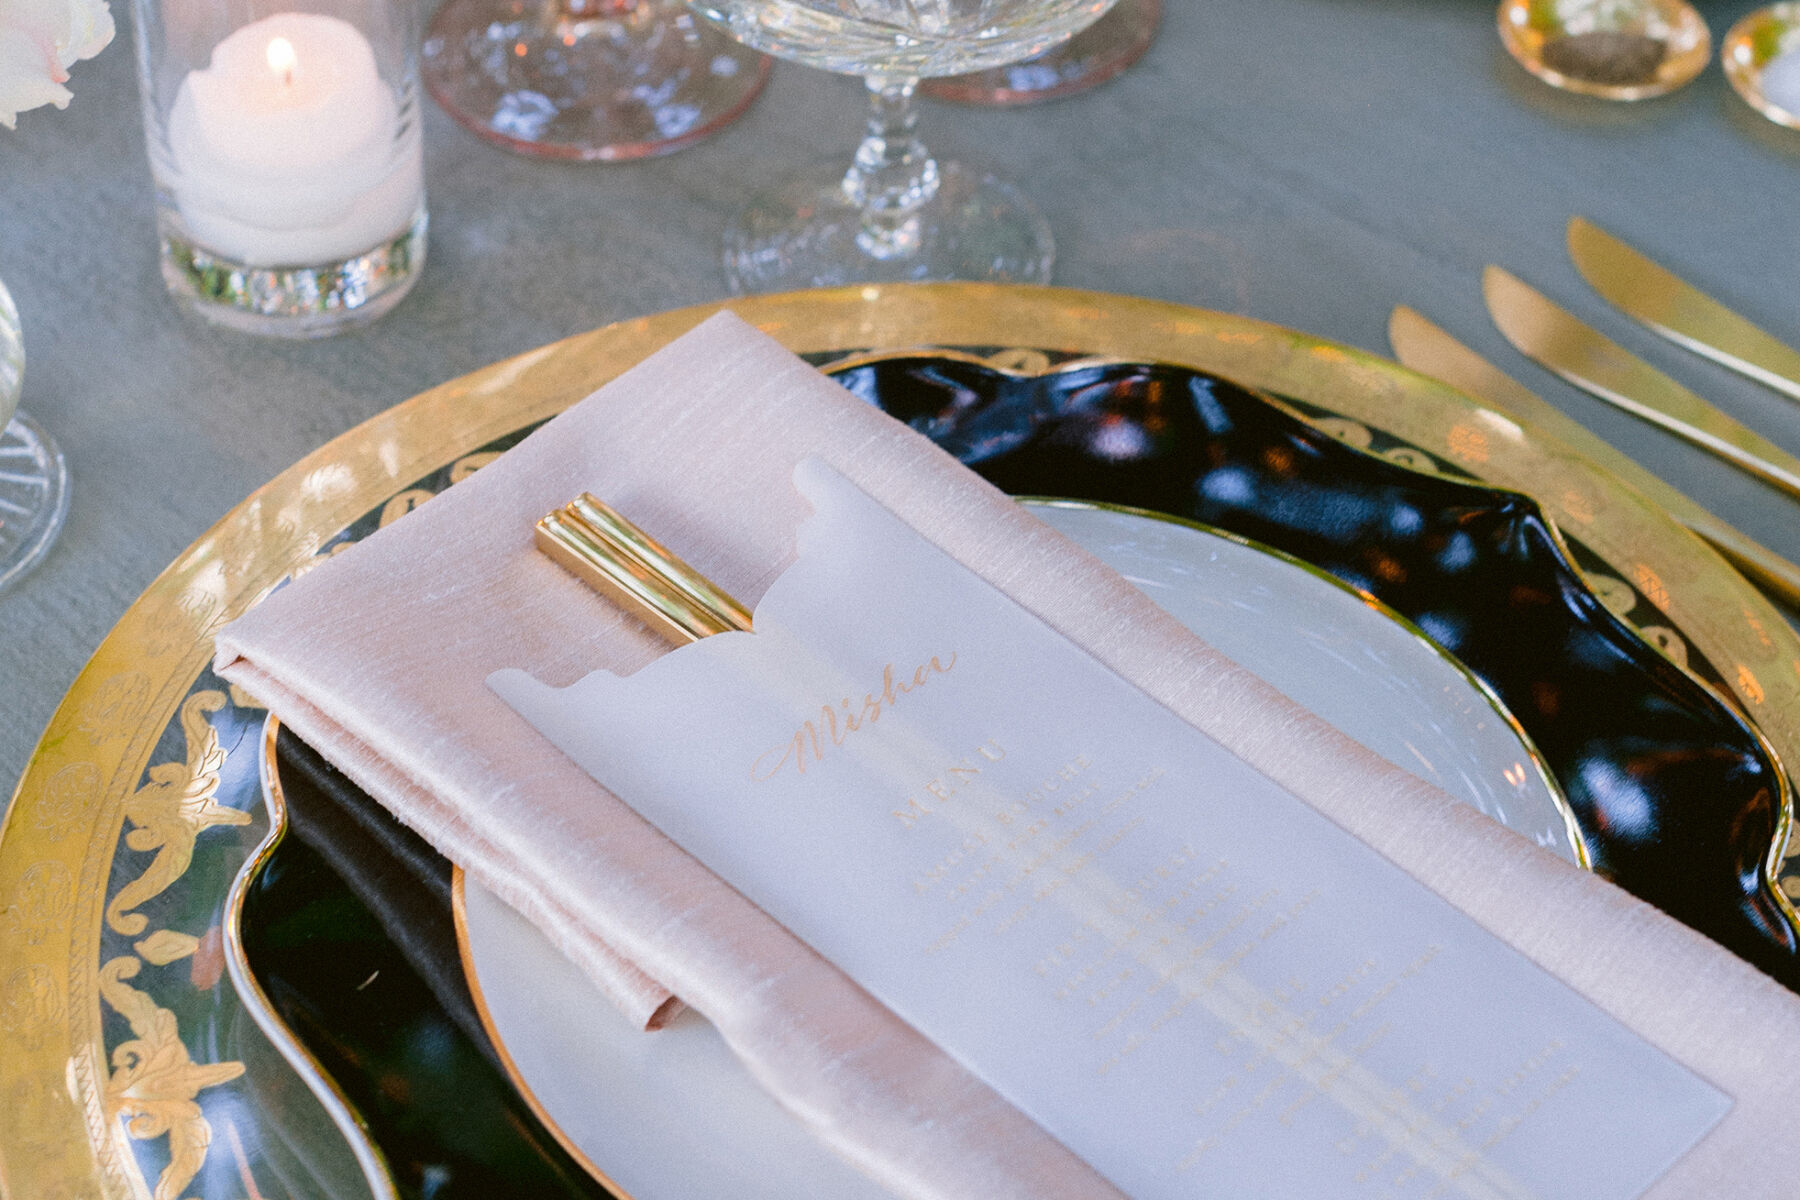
(838, 721)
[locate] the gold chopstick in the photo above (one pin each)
(627, 540)
(606, 551)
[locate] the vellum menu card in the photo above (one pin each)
(1197, 982)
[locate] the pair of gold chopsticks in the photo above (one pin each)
(595, 543)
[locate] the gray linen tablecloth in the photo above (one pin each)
(1307, 162)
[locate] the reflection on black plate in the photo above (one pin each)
(1677, 798)
(348, 929)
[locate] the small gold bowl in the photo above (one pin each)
(1614, 49)
(1753, 43)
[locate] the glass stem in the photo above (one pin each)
(893, 175)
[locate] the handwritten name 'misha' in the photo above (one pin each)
(838, 721)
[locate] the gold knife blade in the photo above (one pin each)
(1556, 338)
(1678, 310)
(1423, 346)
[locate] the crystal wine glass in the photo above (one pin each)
(1086, 60)
(590, 80)
(896, 213)
(34, 492)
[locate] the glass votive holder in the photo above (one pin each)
(285, 149)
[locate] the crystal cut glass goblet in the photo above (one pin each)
(896, 213)
(34, 481)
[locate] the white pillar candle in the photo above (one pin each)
(288, 149)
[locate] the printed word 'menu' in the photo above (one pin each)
(948, 783)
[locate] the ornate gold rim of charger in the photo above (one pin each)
(76, 1114)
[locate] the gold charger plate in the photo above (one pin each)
(116, 852)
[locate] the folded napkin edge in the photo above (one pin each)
(643, 1000)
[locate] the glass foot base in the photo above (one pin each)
(293, 302)
(34, 496)
(1091, 57)
(591, 88)
(809, 234)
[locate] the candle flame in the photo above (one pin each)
(282, 58)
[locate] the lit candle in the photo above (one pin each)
(288, 148)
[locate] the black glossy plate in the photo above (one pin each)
(1677, 797)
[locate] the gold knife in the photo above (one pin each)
(1557, 339)
(1678, 310)
(1426, 348)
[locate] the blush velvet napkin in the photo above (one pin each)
(378, 658)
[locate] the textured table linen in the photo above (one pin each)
(379, 659)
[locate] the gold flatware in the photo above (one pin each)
(1554, 337)
(1423, 346)
(1684, 314)
(601, 547)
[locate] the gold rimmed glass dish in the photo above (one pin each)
(1761, 57)
(1612, 49)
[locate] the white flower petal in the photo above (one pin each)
(46, 21)
(69, 30)
(90, 28)
(28, 77)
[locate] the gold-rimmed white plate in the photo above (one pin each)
(670, 1115)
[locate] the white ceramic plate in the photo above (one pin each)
(672, 1116)
(1344, 656)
